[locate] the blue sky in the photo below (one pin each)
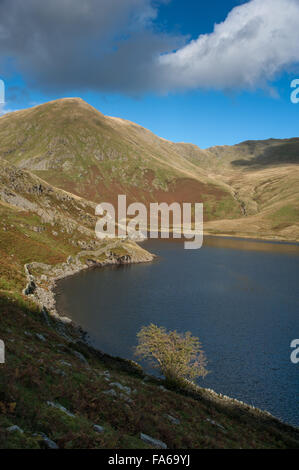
(186, 107)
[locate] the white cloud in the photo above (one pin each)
(256, 41)
(117, 46)
(65, 45)
(4, 110)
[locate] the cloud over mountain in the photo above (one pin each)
(255, 42)
(118, 46)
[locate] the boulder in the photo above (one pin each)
(111, 393)
(40, 337)
(121, 387)
(49, 444)
(153, 442)
(98, 428)
(80, 357)
(172, 419)
(61, 408)
(15, 428)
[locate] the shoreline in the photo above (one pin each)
(44, 295)
(45, 298)
(262, 239)
(275, 240)
(42, 278)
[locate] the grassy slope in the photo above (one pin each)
(41, 223)
(39, 371)
(264, 178)
(73, 146)
(250, 189)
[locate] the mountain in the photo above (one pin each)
(74, 147)
(55, 390)
(43, 224)
(57, 161)
(249, 189)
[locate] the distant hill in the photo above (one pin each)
(73, 146)
(249, 189)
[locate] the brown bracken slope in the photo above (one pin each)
(250, 189)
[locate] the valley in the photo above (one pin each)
(248, 190)
(57, 162)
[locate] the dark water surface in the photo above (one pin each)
(239, 297)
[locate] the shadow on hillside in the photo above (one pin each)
(283, 154)
(37, 379)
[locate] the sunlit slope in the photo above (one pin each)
(73, 146)
(264, 176)
(40, 223)
(249, 189)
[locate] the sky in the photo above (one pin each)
(210, 73)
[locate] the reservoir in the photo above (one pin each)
(239, 297)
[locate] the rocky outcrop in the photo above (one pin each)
(153, 442)
(42, 278)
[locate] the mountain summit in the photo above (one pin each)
(251, 187)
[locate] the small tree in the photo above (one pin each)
(177, 356)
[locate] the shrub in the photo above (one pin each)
(179, 357)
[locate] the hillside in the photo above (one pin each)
(250, 189)
(73, 146)
(49, 368)
(57, 390)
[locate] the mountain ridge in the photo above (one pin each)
(56, 391)
(73, 146)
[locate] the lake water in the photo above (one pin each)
(239, 297)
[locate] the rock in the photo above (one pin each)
(47, 441)
(70, 260)
(216, 424)
(98, 428)
(30, 288)
(15, 428)
(106, 374)
(27, 333)
(40, 337)
(172, 419)
(65, 363)
(59, 372)
(123, 388)
(126, 398)
(80, 356)
(111, 393)
(61, 408)
(65, 320)
(45, 314)
(38, 229)
(153, 442)
(162, 388)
